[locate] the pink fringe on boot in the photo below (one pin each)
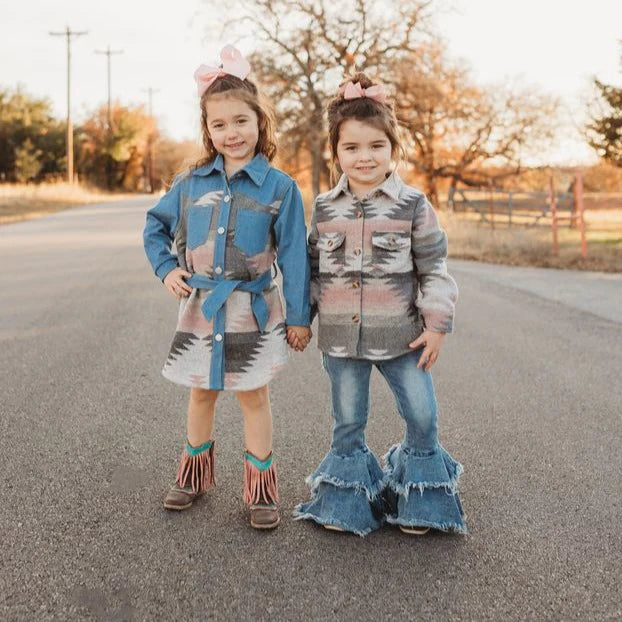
(196, 472)
(260, 486)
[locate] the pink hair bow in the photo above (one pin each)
(352, 90)
(233, 64)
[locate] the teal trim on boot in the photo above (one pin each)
(262, 466)
(195, 451)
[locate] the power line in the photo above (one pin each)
(69, 33)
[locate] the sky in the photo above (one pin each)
(555, 46)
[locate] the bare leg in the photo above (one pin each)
(257, 414)
(201, 416)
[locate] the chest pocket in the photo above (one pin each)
(252, 229)
(391, 251)
(198, 223)
(332, 249)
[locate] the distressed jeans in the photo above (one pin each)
(413, 391)
(418, 486)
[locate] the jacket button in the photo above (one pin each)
(359, 214)
(218, 337)
(356, 284)
(356, 319)
(330, 242)
(221, 230)
(357, 251)
(218, 270)
(227, 199)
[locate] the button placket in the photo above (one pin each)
(356, 289)
(217, 369)
(223, 224)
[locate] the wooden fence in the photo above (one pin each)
(511, 208)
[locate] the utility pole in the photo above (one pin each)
(149, 167)
(69, 33)
(151, 91)
(108, 52)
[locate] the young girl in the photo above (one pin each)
(384, 298)
(230, 217)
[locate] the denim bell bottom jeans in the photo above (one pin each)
(418, 485)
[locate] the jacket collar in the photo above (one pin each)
(391, 186)
(342, 186)
(256, 169)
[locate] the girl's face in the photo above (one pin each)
(364, 154)
(233, 127)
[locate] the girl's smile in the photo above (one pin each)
(364, 154)
(233, 129)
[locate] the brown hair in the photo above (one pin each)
(229, 86)
(365, 109)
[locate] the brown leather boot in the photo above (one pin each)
(264, 516)
(180, 498)
(194, 476)
(261, 491)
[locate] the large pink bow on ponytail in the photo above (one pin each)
(352, 90)
(233, 63)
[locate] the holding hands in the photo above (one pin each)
(298, 337)
(432, 342)
(175, 283)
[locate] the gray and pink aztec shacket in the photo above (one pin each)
(378, 273)
(228, 232)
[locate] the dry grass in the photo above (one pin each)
(24, 202)
(468, 239)
(531, 246)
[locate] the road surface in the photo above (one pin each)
(530, 402)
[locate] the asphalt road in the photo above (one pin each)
(530, 402)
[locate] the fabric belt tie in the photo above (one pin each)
(222, 289)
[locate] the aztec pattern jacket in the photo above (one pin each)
(378, 270)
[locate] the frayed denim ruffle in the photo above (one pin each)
(345, 492)
(423, 489)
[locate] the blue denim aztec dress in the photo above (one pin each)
(231, 330)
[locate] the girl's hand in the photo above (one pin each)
(298, 337)
(176, 285)
(432, 342)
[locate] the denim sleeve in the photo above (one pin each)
(159, 232)
(291, 247)
(438, 291)
(314, 261)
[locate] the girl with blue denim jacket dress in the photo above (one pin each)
(384, 299)
(231, 217)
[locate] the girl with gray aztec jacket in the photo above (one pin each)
(380, 287)
(230, 217)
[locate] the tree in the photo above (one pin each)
(28, 130)
(305, 46)
(114, 157)
(172, 157)
(27, 161)
(604, 131)
(455, 129)
(463, 132)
